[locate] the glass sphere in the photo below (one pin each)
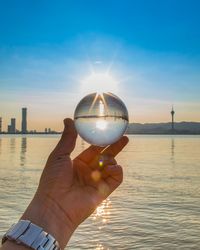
(101, 119)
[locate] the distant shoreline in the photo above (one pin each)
(136, 133)
(180, 128)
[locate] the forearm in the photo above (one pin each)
(46, 214)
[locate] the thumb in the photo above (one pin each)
(68, 139)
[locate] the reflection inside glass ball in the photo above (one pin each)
(101, 119)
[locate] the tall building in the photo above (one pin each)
(172, 114)
(9, 129)
(24, 121)
(0, 124)
(13, 125)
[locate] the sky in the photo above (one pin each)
(148, 50)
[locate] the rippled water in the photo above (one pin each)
(156, 207)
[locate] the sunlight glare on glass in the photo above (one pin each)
(101, 108)
(99, 83)
(101, 124)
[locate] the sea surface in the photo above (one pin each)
(156, 207)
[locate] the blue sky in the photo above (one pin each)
(152, 49)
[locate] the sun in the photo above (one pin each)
(99, 83)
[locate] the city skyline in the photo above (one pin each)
(12, 128)
(146, 52)
(169, 127)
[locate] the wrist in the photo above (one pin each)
(13, 246)
(46, 214)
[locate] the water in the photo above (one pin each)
(156, 207)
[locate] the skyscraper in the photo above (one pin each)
(9, 129)
(0, 124)
(13, 125)
(24, 120)
(172, 114)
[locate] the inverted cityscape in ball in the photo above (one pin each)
(101, 119)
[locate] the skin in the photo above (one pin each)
(70, 190)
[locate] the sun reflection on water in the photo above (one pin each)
(102, 213)
(101, 247)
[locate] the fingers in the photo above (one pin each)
(108, 180)
(110, 170)
(114, 176)
(107, 156)
(68, 139)
(93, 152)
(116, 147)
(90, 154)
(106, 160)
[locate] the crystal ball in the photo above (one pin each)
(101, 119)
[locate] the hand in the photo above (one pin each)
(69, 191)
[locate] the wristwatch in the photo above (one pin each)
(28, 234)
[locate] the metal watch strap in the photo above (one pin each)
(28, 234)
